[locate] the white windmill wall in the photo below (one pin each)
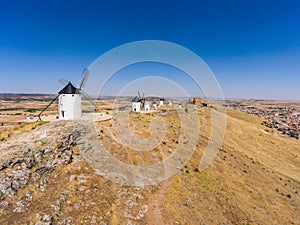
(161, 102)
(154, 105)
(136, 106)
(69, 106)
(147, 106)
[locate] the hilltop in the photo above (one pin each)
(255, 178)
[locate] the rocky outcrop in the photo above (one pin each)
(32, 161)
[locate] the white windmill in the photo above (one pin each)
(69, 99)
(147, 106)
(154, 105)
(138, 103)
(161, 101)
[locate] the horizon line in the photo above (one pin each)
(113, 96)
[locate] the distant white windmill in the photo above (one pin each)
(154, 105)
(161, 101)
(69, 99)
(146, 106)
(138, 103)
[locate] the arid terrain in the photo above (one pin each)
(46, 177)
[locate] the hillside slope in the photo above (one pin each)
(255, 178)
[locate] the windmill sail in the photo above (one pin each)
(63, 81)
(85, 75)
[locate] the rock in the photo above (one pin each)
(11, 192)
(86, 147)
(7, 163)
(19, 207)
(81, 142)
(44, 220)
(2, 166)
(28, 196)
(27, 163)
(23, 183)
(15, 184)
(94, 220)
(48, 151)
(38, 157)
(66, 221)
(16, 162)
(7, 182)
(131, 204)
(6, 205)
(34, 160)
(144, 209)
(72, 177)
(81, 188)
(41, 170)
(54, 162)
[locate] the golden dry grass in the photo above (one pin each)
(255, 178)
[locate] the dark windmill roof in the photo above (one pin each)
(136, 99)
(69, 89)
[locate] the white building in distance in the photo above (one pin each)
(69, 103)
(161, 101)
(147, 106)
(154, 105)
(136, 104)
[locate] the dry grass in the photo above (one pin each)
(17, 129)
(253, 180)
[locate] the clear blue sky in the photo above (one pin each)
(253, 47)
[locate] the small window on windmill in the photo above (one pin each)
(72, 95)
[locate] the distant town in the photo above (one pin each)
(280, 117)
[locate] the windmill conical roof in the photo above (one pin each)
(136, 99)
(69, 89)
